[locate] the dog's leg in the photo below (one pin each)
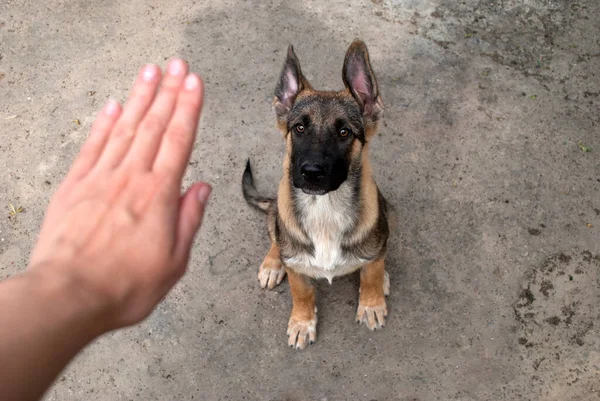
(372, 308)
(302, 327)
(271, 271)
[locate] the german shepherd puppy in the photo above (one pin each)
(329, 218)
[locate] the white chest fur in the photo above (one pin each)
(325, 219)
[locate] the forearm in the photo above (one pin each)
(44, 322)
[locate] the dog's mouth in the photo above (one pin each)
(313, 191)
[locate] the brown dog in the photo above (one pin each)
(329, 218)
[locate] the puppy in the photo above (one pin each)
(329, 218)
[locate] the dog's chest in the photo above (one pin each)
(325, 220)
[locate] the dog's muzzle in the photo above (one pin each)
(312, 178)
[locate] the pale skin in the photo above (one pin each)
(116, 236)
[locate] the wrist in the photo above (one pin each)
(65, 302)
(45, 320)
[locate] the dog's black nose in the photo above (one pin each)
(312, 172)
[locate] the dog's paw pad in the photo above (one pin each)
(302, 333)
(270, 273)
(386, 284)
(372, 316)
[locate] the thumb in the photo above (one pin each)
(191, 212)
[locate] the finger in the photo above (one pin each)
(176, 144)
(191, 212)
(93, 146)
(137, 105)
(153, 125)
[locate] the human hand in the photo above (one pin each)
(118, 226)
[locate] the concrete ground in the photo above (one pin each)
(492, 108)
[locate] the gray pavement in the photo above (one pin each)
(491, 108)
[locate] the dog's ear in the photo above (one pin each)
(360, 81)
(291, 83)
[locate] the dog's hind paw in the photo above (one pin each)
(270, 273)
(372, 316)
(302, 332)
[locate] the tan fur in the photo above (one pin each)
(303, 296)
(369, 208)
(271, 271)
(284, 199)
(372, 308)
(341, 231)
(369, 211)
(302, 326)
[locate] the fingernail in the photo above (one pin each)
(111, 107)
(192, 82)
(149, 73)
(204, 193)
(175, 67)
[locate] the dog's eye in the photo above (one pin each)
(344, 132)
(299, 128)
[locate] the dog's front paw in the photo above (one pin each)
(302, 332)
(373, 316)
(270, 273)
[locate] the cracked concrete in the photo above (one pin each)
(489, 108)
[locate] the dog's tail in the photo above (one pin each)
(251, 195)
